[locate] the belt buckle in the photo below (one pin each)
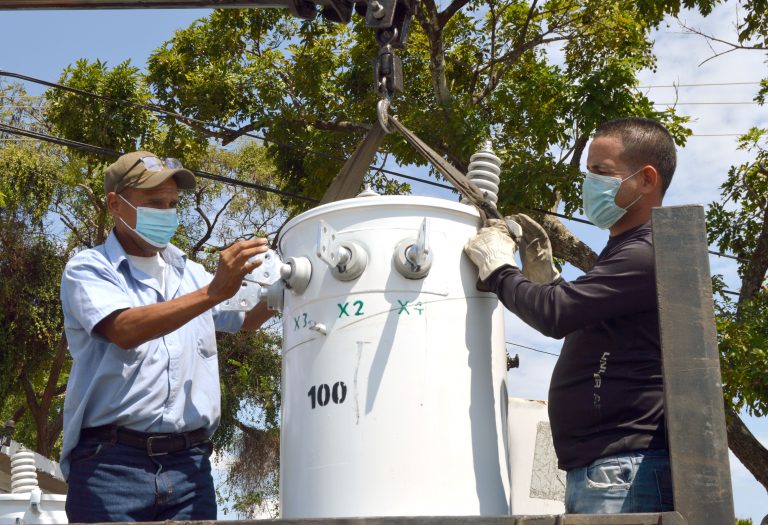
(150, 452)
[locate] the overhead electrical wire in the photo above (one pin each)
(337, 157)
(700, 85)
(81, 146)
(531, 348)
(158, 109)
(152, 107)
(183, 118)
(704, 103)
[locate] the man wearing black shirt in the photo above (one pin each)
(605, 399)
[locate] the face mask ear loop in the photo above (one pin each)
(132, 206)
(639, 196)
(635, 173)
(633, 202)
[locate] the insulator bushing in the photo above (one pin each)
(23, 472)
(484, 171)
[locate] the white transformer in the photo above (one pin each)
(394, 394)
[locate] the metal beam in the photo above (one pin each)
(141, 4)
(664, 518)
(693, 393)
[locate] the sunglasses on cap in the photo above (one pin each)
(156, 164)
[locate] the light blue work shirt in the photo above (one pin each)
(168, 384)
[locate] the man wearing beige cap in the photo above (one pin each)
(143, 396)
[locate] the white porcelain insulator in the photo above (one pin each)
(484, 171)
(23, 472)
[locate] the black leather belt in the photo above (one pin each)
(156, 444)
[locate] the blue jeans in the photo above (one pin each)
(638, 481)
(114, 482)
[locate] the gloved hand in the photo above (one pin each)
(491, 248)
(535, 251)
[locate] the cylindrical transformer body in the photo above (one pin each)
(394, 394)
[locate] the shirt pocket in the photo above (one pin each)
(205, 336)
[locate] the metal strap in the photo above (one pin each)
(458, 179)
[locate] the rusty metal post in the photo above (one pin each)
(693, 393)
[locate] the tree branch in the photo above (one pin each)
(54, 430)
(53, 378)
(565, 245)
(710, 38)
(752, 454)
(29, 392)
(578, 150)
(98, 203)
(75, 231)
(340, 125)
(515, 53)
(527, 24)
(754, 273)
(453, 8)
(506, 60)
(428, 18)
(225, 135)
(19, 413)
(209, 225)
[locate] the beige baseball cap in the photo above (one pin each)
(145, 170)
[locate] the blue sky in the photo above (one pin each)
(42, 43)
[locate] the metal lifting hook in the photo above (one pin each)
(382, 111)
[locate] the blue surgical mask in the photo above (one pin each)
(598, 194)
(156, 227)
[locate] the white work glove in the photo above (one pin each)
(491, 248)
(535, 251)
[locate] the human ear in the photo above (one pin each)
(651, 179)
(112, 202)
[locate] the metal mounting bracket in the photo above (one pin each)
(347, 260)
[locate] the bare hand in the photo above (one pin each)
(234, 264)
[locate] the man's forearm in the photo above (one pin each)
(257, 316)
(132, 327)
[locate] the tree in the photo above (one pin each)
(739, 225)
(33, 362)
(536, 77)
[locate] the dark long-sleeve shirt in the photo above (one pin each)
(605, 396)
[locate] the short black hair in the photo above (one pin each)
(645, 141)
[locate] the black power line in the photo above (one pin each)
(701, 85)
(534, 349)
(89, 148)
(157, 109)
(81, 146)
(184, 118)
